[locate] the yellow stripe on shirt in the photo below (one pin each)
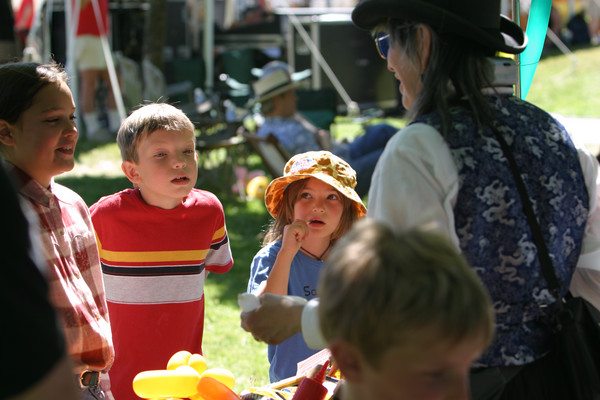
(152, 256)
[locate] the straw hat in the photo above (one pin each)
(274, 65)
(275, 78)
(322, 165)
(477, 21)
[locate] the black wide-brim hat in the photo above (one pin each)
(477, 21)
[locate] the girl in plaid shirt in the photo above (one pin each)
(38, 135)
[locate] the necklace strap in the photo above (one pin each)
(318, 258)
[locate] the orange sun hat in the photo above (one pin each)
(322, 165)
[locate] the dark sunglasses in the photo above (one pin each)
(382, 42)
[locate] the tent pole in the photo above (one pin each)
(46, 32)
(516, 13)
(32, 49)
(71, 24)
(112, 73)
(208, 44)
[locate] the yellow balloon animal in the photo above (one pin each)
(166, 383)
(186, 376)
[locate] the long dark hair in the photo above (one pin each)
(455, 73)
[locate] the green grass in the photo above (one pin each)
(568, 85)
(558, 86)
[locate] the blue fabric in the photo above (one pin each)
(303, 281)
(362, 153)
(365, 151)
(292, 134)
(492, 228)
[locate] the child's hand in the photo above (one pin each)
(293, 235)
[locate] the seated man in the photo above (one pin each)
(275, 91)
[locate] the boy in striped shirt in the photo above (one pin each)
(157, 242)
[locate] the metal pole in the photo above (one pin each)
(209, 42)
(46, 32)
(72, 15)
(291, 45)
(112, 73)
(351, 105)
(316, 38)
(516, 18)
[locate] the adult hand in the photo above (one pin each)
(275, 320)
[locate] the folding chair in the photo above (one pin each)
(271, 151)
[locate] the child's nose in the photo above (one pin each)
(318, 205)
(180, 162)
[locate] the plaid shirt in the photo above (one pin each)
(74, 275)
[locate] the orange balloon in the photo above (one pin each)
(223, 375)
(211, 389)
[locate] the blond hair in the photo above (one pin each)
(380, 289)
(147, 119)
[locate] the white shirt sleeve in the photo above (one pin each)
(586, 279)
(311, 331)
(590, 251)
(415, 182)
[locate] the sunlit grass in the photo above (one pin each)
(568, 85)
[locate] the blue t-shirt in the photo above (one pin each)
(304, 275)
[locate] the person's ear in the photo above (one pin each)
(131, 172)
(424, 37)
(6, 134)
(348, 360)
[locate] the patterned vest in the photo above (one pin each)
(493, 230)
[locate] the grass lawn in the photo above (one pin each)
(568, 85)
(559, 86)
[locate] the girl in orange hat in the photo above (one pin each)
(313, 204)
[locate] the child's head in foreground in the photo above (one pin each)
(38, 133)
(404, 314)
(300, 174)
(158, 148)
